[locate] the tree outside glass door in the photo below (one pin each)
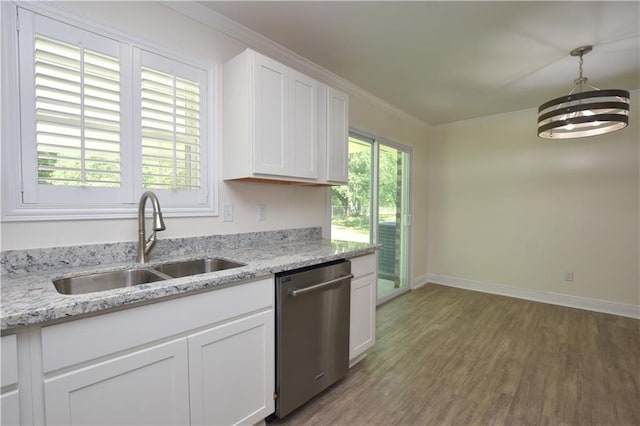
(392, 220)
(374, 207)
(351, 203)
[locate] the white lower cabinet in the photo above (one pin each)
(10, 408)
(362, 332)
(231, 366)
(10, 397)
(201, 359)
(145, 387)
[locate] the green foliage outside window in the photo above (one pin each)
(351, 202)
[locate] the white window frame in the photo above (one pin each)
(12, 205)
(33, 193)
(144, 58)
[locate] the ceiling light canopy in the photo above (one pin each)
(583, 112)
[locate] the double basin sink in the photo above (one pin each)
(91, 283)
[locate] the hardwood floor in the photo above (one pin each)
(446, 356)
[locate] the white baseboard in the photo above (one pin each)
(357, 359)
(418, 282)
(607, 307)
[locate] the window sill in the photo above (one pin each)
(52, 214)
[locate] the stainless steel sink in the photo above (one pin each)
(106, 281)
(194, 267)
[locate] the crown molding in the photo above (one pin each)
(258, 42)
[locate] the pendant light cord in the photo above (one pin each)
(580, 81)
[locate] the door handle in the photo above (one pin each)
(294, 293)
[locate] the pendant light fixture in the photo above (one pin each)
(583, 113)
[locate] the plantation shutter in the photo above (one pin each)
(72, 130)
(172, 96)
(102, 121)
(77, 115)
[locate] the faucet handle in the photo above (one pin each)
(150, 242)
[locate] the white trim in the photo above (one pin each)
(357, 359)
(10, 124)
(400, 146)
(605, 306)
(108, 212)
(391, 295)
(376, 142)
(12, 207)
(214, 127)
(280, 53)
(61, 11)
(419, 281)
(326, 226)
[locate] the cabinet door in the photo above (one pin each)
(270, 103)
(10, 408)
(363, 315)
(337, 136)
(232, 371)
(303, 125)
(10, 399)
(150, 386)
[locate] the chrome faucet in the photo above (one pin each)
(146, 244)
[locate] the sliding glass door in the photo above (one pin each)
(374, 207)
(392, 220)
(351, 204)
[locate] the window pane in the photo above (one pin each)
(393, 170)
(351, 203)
(77, 115)
(170, 131)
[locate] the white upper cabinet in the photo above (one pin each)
(337, 136)
(276, 125)
(271, 142)
(303, 125)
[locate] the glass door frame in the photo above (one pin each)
(407, 179)
(405, 261)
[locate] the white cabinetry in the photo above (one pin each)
(144, 387)
(10, 398)
(337, 134)
(231, 366)
(303, 127)
(269, 143)
(280, 125)
(205, 359)
(270, 126)
(362, 334)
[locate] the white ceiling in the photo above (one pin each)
(447, 61)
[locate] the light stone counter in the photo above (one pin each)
(29, 297)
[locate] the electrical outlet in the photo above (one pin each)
(568, 276)
(262, 212)
(227, 212)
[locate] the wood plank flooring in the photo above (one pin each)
(446, 356)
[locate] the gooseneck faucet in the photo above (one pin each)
(146, 244)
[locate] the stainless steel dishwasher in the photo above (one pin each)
(312, 331)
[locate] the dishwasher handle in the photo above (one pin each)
(294, 293)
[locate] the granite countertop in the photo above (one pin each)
(30, 297)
